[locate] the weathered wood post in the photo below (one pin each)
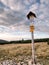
(31, 17)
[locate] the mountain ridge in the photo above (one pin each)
(23, 41)
(3, 41)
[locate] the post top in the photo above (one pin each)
(31, 14)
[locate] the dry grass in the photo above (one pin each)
(10, 46)
(23, 51)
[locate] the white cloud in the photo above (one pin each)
(42, 12)
(14, 19)
(16, 36)
(14, 4)
(34, 7)
(44, 1)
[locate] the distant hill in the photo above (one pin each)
(3, 41)
(23, 41)
(29, 41)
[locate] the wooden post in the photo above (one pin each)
(33, 50)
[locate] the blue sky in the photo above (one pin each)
(14, 24)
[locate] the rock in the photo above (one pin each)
(38, 64)
(19, 63)
(29, 62)
(4, 63)
(0, 63)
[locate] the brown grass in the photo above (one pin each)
(24, 51)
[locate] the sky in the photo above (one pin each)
(14, 24)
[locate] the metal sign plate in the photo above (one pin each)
(31, 28)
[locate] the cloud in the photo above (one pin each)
(13, 15)
(42, 11)
(14, 5)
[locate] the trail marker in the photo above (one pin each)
(31, 17)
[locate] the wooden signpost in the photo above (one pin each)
(30, 16)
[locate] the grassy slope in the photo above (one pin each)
(21, 52)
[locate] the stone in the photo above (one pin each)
(19, 63)
(29, 62)
(38, 64)
(0, 63)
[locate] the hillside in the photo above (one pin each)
(29, 41)
(3, 41)
(23, 41)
